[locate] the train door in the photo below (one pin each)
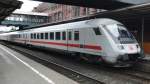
(25, 38)
(75, 41)
(69, 40)
(28, 38)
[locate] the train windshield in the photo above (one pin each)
(120, 34)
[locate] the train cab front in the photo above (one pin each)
(124, 44)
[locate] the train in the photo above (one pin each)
(102, 40)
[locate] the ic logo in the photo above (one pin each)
(131, 48)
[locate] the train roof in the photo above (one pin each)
(104, 21)
(76, 25)
(80, 24)
(69, 21)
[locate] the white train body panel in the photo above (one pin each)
(105, 44)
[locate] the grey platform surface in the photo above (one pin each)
(147, 57)
(18, 69)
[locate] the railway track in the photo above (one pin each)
(135, 75)
(145, 77)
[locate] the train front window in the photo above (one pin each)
(120, 34)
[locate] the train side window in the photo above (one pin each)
(42, 36)
(46, 35)
(69, 35)
(57, 36)
(76, 35)
(63, 35)
(97, 31)
(51, 35)
(38, 36)
(34, 35)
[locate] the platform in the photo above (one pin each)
(18, 69)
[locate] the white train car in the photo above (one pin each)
(96, 39)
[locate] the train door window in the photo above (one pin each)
(42, 36)
(69, 35)
(64, 35)
(38, 36)
(46, 35)
(97, 31)
(34, 35)
(51, 35)
(57, 35)
(76, 35)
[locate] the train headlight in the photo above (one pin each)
(120, 47)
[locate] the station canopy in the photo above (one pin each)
(136, 11)
(7, 7)
(99, 4)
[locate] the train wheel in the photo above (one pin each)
(85, 57)
(78, 56)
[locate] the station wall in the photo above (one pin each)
(147, 38)
(146, 34)
(135, 27)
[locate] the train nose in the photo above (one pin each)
(123, 58)
(129, 57)
(127, 60)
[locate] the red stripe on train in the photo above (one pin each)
(94, 47)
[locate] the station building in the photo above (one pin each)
(60, 12)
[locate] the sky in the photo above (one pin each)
(28, 5)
